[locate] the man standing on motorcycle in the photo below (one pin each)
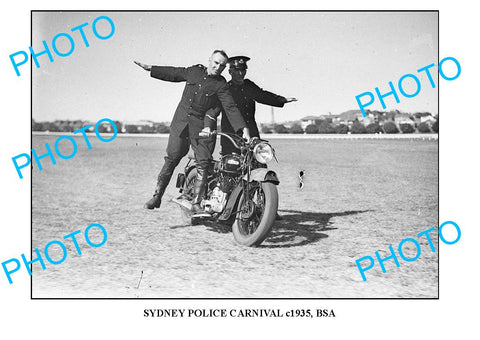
(245, 93)
(205, 88)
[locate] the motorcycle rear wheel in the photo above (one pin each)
(253, 230)
(190, 183)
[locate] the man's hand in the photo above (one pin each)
(206, 132)
(290, 99)
(144, 66)
(246, 134)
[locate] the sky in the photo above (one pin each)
(324, 59)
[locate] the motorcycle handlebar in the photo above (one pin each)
(229, 137)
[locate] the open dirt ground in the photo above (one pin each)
(360, 196)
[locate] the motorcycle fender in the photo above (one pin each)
(231, 204)
(263, 175)
(259, 175)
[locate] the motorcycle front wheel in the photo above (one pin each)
(256, 216)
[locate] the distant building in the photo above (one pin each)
(403, 118)
(428, 119)
(92, 126)
(138, 126)
(367, 120)
(350, 116)
(316, 120)
(291, 123)
(310, 120)
(105, 127)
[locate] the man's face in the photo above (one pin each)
(238, 75)
(216, 64)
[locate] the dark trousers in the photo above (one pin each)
(177, 148)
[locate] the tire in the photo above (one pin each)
(253, 231)
(190, 183)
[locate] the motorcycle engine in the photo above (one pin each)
(217, 199)
(216, 202)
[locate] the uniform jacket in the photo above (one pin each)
(202, 92)
(245, 97)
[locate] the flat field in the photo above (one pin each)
(360, 196)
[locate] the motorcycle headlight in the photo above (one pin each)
(263, 152)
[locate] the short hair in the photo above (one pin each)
(222, 52)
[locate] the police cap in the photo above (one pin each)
(238, 62)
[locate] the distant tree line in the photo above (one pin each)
(73, 125)
(326, 127)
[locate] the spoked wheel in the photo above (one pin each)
(255, 216)
(189, 184)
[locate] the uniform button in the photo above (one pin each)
(195, 92)
(190, 99)
(199, 85)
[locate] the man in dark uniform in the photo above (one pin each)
(245, 93)
(205, 89)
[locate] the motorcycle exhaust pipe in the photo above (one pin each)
(183, 203)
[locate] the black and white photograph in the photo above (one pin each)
(242, 169)
(228, 157)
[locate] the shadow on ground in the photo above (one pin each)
(297, 228)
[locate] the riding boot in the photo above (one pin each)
(163, 179)
(156, 200)
(199, 192)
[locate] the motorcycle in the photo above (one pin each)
(241, 191)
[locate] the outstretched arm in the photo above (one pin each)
(268, 98)
(168, 73)
(144, 66)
